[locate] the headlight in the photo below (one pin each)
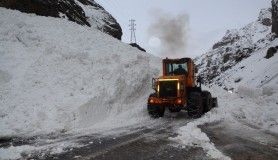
(179, 101)
(153, 100)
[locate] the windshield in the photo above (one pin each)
(176, 68)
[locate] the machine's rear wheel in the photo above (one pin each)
(207, 101)
(195, 104)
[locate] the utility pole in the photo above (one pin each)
(132, 31)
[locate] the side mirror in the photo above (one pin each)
(154, 81)
(196, 70)
(199, 80)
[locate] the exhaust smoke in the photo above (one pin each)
(170, 33)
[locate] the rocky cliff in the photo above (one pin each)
(137, 46)
(83, 12)
(236, 45)
(275, 16)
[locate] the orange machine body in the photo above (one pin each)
(171, 88)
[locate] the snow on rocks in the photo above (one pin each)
(236, 45)
(254, 71)
(57, 76)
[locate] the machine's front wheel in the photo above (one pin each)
(174, 109)
(156, 111)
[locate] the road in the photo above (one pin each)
(152, 142)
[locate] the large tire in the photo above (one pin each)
(195, 104)
(207, 101)
(174, 109)
(155, 111)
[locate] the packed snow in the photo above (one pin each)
(57, 76)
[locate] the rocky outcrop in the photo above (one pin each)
(236, 45)
(229, 38)
(99, 18)
(83, 12)
(137, 46)
(265, 17)
(270, 52)
(53, 8)
(275, 16)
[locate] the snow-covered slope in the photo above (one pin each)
(57, 76)
(239, 58)
(99, 18)
(236, 45)
(256, 71)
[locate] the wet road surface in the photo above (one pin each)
(153, 142)
(243, 143)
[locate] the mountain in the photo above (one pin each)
(239, 57)
(83, 12)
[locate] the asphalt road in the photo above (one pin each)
(243, 142)
(150, 142)
(153, 142)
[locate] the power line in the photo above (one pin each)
(132, 31)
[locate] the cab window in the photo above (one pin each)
(176, 69)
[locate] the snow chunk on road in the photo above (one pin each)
(191, 135)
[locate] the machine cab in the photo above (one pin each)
(175, 67)
(178, 74)
(182, 69)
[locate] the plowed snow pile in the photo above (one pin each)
(57, 76)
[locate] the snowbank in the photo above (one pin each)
(253, 72)
(57, 76)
